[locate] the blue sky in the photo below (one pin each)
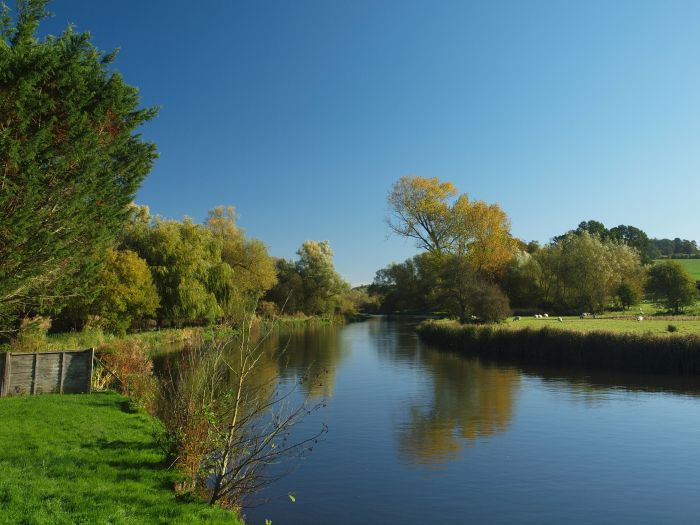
(302, 114)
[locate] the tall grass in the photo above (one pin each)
(639, 352)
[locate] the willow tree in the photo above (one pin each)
(71, 160)
(246, 270)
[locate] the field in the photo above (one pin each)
(684, 325)
(88, 459)
(692, 266)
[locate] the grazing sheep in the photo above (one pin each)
(640, 318)
(516, 318)
(545, 316)
(560, 319)
(537, 316)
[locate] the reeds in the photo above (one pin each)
(640, 352)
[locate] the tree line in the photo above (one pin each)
(472, 268)
(649, 248)
(73, 246)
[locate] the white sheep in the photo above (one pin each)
(640, 318)
(560, 319)
(516, 318)
(545, 316)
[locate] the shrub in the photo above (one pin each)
(32, 335)
(672, 328)
(490, 303)
(133, 368)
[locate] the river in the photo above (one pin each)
(424, 436)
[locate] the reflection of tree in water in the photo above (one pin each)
(469, 402)
(311, 354)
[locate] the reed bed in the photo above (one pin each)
(640, 352)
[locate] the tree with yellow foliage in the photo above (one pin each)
(467, 242)
(423, 209)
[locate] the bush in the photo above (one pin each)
(672, 328)
(32, 335)
(490, 303)
(133, 368)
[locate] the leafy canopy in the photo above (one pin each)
(71, 160)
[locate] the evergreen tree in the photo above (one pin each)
(71, 160)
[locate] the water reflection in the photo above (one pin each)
(296, 358)
(582, 442)
(468, 402)
(310, 357)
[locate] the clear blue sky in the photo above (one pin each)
(303, 113)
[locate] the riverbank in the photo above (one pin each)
(154, 341)
(668, 353)
(88, 459)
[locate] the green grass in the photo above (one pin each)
(610, 323)
(87, 459)
(692, 266)
(617, 347)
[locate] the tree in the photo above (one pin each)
(421, 209)
(310, 284)
(406, 287)
(246, 270)
(481, 234)
(670, 284)
(184, 259)
(628, 295)
(71, 161)
(634, 237)
(580, 271)
(127, 292)
(323, 286)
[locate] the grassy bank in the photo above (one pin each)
(557, 345)
(87, 459)
(155, 341)
(657, 325)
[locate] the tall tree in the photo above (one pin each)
(420, 210)
(423, 209)
(71, 160)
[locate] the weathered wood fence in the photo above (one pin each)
(67, 372)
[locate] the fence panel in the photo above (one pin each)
(46, 372)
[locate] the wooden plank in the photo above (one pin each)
(63, 359)
(21, 372)
(34, 371)
(91, 356)
(4, 376)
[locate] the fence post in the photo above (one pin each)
(60, 369)
(5, 380)
(34, 372)
(90, 370)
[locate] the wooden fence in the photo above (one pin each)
(46, 372)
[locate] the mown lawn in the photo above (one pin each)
(87, 459)
(609, 324)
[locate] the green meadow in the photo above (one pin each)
(621, 324)
(692, 266)
(88, 459)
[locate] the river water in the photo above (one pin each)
(423, 436)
